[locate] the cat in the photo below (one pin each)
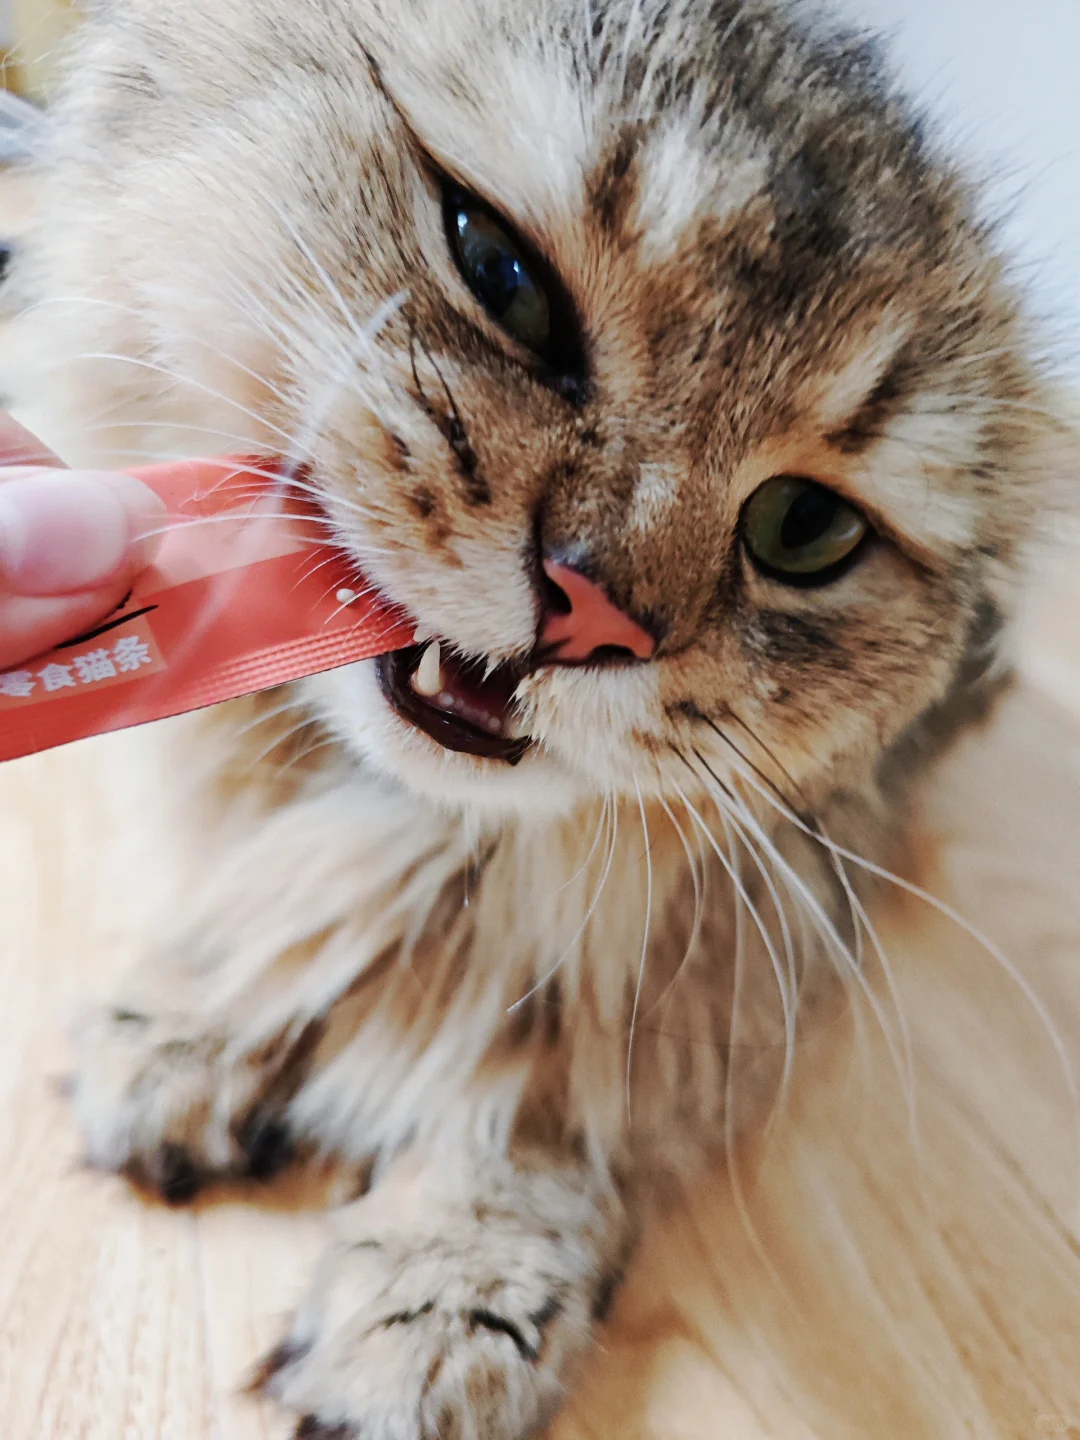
(656, 360)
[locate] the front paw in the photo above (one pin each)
(171, 1103)
(467, 1332)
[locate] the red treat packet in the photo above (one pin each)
(245, 594)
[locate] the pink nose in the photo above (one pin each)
(592, 622)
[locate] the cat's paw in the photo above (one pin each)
(171, 1104)
(467, 1327)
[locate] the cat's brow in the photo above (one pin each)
(424, 152)
(864, 428)
(437, 165)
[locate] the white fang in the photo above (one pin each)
(428, 678)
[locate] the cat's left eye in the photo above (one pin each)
(802, 533)
(495, 268)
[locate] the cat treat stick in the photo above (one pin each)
(245, 594)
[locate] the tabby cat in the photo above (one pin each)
(652, 356)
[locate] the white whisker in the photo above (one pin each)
(744, 901)
(644, 943)
(609, 808)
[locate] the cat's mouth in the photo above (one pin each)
(463, 705)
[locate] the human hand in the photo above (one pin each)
(71, 542)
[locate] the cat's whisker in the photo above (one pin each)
(610, 808)
(302, 756)
(744, 900)
(835, 947)
(746, 764)
(850, 965)
(951, 914)
(731, 1118)
(332, 289)
(697, 881)
(644, 944)
(735, 813)
(767, 751)
(265, 717)
(365, 340)
(112, 357)
(282, 742)
(592, 848)
(346, 374)
(840, 854)
(189, 337)
(847, 965)
(741, 907)
(211, 432)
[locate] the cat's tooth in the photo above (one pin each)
(514, 727)
(423, 635)
(348, 597)
(427, 679)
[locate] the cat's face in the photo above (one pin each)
(662, 294)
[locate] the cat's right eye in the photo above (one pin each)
(497, 270)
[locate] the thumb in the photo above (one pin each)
(64, 532)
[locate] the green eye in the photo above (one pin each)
(497, 273)
(801, 533)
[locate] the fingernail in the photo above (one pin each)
(63, 531)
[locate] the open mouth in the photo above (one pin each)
(461, 704)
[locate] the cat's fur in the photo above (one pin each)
(526, 996)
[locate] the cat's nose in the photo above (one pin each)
(582, 623)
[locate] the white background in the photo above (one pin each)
(1005, 77)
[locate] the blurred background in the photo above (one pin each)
(29, 33)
